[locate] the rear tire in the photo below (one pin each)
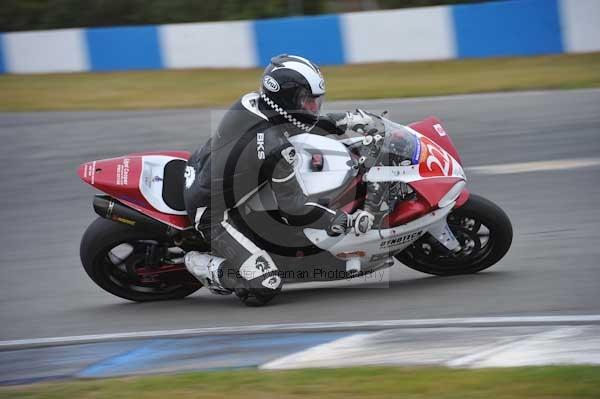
(466, 222)
(97, 244)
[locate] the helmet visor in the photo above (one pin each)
(310, 104)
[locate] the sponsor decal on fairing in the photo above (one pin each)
(90, 171)
(123, 172)
(440, 130)
(437, 160)
(401, 240)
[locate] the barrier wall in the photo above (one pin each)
(507, 28)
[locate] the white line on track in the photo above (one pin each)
(535, 166)
(308, 327)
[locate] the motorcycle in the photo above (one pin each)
(429, 220)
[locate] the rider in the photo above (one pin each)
(250, 149)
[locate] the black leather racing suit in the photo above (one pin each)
(249, 149)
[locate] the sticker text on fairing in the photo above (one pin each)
(123, 173)
(401, 240)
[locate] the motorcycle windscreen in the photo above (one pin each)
(399, 148)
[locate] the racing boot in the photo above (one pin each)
(206, 268)
(255, 297)
(259, 281)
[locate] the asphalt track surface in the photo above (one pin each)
(552, 268)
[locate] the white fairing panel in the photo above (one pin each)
(377, 245)
(337, 163)
(151, 182)
(337, 170)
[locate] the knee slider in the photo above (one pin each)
(260, 272)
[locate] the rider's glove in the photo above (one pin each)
(340, 224)
(357, 121)
(362, 221)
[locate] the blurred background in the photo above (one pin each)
(51, 14)
(507, 45)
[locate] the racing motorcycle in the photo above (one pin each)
(428, 221)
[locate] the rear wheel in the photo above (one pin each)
(132, 264)
(484, 232)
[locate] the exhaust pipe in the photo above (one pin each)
(109, 208)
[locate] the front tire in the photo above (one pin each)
(109, 252)
(484, 231)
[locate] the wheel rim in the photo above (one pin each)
(474, 235)
(123, 263)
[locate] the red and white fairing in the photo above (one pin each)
(437, 176)
(136, 180)
(439, 159)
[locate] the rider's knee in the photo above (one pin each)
(259, 280)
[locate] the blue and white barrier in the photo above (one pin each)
(506, 28)
(208, 45)
(45, 51)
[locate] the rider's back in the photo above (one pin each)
(231, 164)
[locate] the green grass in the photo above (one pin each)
(367, 382)
(218, 87)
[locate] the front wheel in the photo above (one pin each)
(136, 265)
(484, 232)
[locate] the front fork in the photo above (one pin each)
(444, 235)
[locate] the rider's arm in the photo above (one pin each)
(293, 203)
(347, 122)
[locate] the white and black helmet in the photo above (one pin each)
(294, 87)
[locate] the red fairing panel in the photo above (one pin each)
(407, 211)
(430, 192)
(433, 190)
(433, 129)
(120, 178)
(462, 198)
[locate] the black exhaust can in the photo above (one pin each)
(109, 208)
